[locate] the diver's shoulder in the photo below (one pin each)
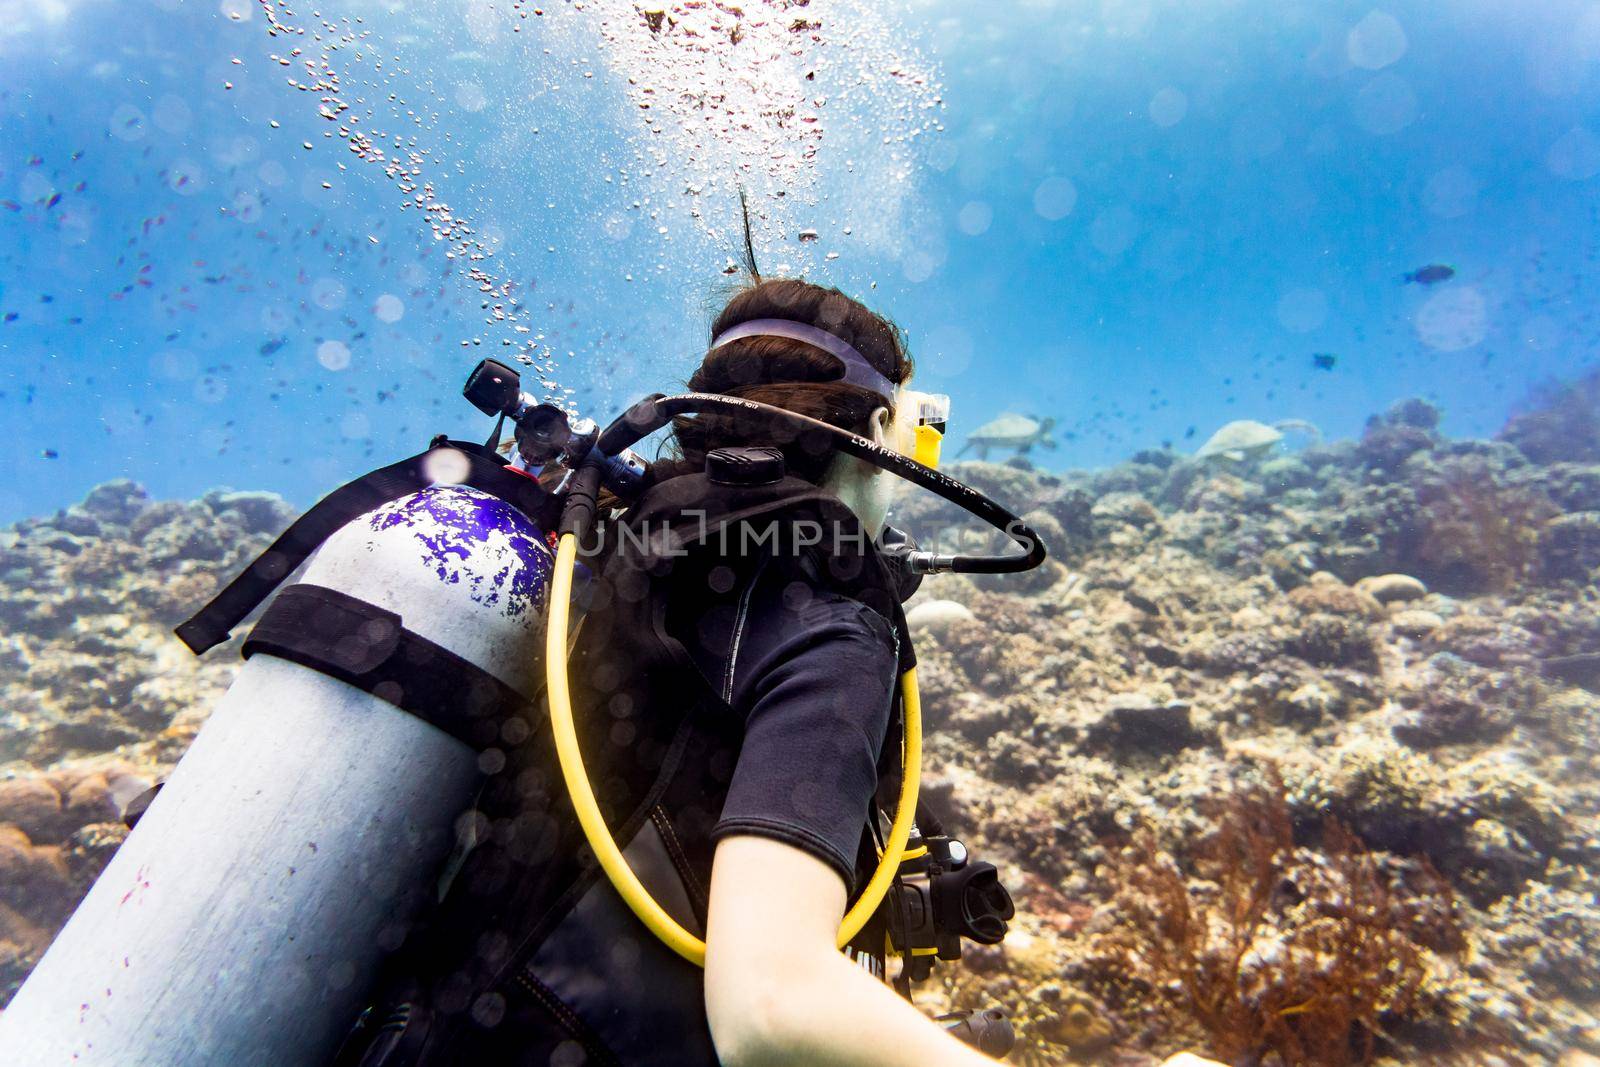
(797, 606)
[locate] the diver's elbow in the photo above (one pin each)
(751, 1025)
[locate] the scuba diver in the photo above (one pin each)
(736, 679)
(688, 833)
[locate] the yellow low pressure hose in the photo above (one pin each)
(605, 848)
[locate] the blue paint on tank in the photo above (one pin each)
(460, 529)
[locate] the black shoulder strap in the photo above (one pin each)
(485, 470)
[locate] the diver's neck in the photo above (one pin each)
(863, 489)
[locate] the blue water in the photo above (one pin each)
(1142, 219)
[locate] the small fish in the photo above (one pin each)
(11, 316)
(1323, 360)
(1432, 274)
(53, 201)
(49, 453)
(269, 347)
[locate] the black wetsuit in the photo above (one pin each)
(809, 675)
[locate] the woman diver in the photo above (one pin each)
(735, 679)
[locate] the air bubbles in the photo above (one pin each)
(389, 308)
(333, 355)
(1376, 41)
(919, 264)
(617, 226)
(328, 293)
(514, 730)
(471, 97)
(247, 205)
(235, 151)
(1168, 107)
(568, 1054)
(128, 123)
(175, 364)
(942, 155)
(446, 466)
(35, 187)
(974, 218)
(275, 318)
(730, 96)
(1054, 198)
(341, 974)
(211, 390)
(1114, 230)
(1453, 319)
(272, 173)
(237, 10)
(75, 230)
(1385, 105)
(186, 177)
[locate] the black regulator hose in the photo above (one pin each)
(654, 412)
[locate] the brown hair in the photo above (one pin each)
(790, 374)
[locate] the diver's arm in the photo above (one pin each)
(779, 992)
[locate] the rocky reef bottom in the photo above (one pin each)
(1295, 759)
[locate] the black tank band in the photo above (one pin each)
(484, 470)
(369, 647)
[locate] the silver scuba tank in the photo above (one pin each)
(243, 919)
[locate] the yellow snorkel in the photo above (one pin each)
(930, 412)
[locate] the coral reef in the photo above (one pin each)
(1404, 629)
(97, 698)
(1308, 955)
(1480, 531)
(1563, 423)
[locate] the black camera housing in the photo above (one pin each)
(493, 388)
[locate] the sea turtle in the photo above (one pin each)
(1248, 439)
(1018, 432)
